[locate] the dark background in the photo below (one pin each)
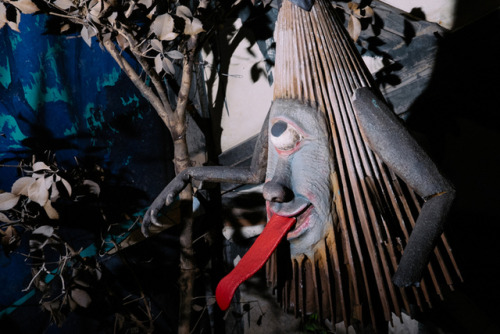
(58, 94)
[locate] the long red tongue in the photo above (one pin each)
(254, 258)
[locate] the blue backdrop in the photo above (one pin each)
(59, 94)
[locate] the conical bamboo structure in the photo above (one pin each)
(317, 63)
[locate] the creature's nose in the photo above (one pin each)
(275, 191)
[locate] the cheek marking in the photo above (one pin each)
(310, 195)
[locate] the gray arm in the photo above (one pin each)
(390, 140)
(254, 174)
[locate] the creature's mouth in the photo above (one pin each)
(283, 217)
(300, 208)
(303, 224)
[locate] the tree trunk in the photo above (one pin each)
(177, 125)
(188, 266)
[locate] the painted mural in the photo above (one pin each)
(60, 97)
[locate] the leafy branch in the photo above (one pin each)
(157, 35)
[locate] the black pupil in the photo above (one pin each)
(278, 128)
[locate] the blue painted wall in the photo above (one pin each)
(59, 94)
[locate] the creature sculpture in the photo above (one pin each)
(302, 156)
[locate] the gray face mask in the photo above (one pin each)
(298, 178)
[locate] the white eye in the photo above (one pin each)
(284, 136)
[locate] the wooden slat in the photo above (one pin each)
(317, 63)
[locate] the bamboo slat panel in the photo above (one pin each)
(317, 63)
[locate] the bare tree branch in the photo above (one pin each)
(146, 91)
(187, 72)
(155, 78)
(157, 82)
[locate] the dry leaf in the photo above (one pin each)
(54, 192)
(175, 54)
(45, 230)
(66, 185)
(81, 282)
(81, 297)
(20, 187)
(146, 3)
(197, 308)
(184, 12)
(354, 28)
(65, 27)
(49, 181)
(51, 305)
(193, 27)
(72, 304)
(40, 166)
(122, 41)
(3, 15)
(163, 27)
(168, 66)
(156, 45)
(92, 186)
(97, 9)
(25, 6)
(37, 192)
(112, 18)
(4, 218)
(87, 33)
(64, 4)
(158, 64)
(10, 238)
(8, 201)
(51, 212)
